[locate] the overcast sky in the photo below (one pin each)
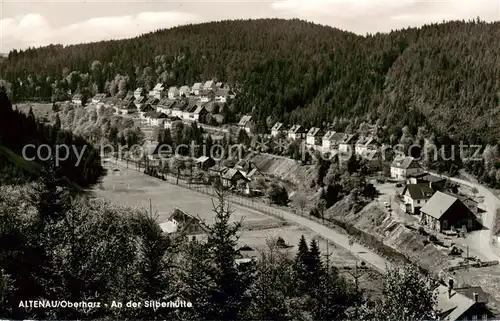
(35, 22)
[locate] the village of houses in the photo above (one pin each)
(423, 194)
(412, 191)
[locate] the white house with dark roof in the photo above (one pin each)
(210, 85)
(206, 96)
(140, 101)
(167, 123)
(200, 113)
(139, 92)
(77, 99)
(295, 132)
(221, 95)
(346, 144)
(173, 92)
(367, 146)
(99, 98)
(402, 167)
(313, 136)
(126, 108)
(197, 88)
(158, 91)
(155, 118)
(246, 123)
(276, 129)
(187, 114)
(415, 196)
(184, 90)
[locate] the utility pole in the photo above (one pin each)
(150, 207)
(467, 258)
(327, 255)
(356, 276)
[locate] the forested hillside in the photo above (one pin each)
(19, 165)
(442, 75)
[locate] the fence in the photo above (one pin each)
(210, 191)
(362, 237)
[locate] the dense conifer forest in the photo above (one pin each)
(441, 75)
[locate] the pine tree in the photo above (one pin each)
(227, 298)
(301, 264)
(314, 263)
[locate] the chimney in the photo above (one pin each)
(450, 287)
(476, 297)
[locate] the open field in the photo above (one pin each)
(131, 188)
(40, 110)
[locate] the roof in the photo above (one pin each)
(418, 175)
(419, 191)
(77, 96)
(230, 173)
(185, 88)
(218, 168)
(347, 139)
(139, 90)
(329, 135)
(469, 291)
(295, 129)
(140, 100)
(173, 118)
(277, 126)
(197, 85)
(222, 93)
(159, 86)
(313, 131)
(403, 162)
(183, 221)
(155, 115)
(100, 96)
(199, 109)
(202, 159)
(146, 108)
(438, 205)
(245, 120)
(127, 105)
(253, 172)
(209, 84)
(451, 308)
(219, 84)
(172, 90)
(367, 140)
(191, 109)
(462, 198)
(153, 101)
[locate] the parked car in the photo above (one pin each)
(386, 204)
(399, 185)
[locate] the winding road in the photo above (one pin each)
(483, 238)
(343, 240)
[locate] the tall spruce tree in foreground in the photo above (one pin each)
(224, 293)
